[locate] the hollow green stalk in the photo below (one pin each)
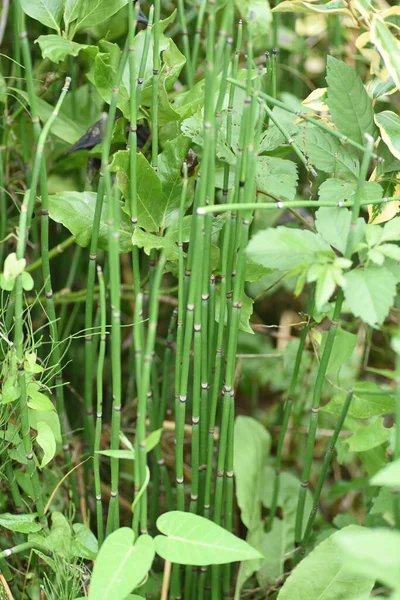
(99, 411)
(287, 411)
(323, 365)
(197, 34)
(185, 42)
(26, 211)
(324, 471)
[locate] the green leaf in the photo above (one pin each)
(389, 127)
(57, 48)
(121, 566)
(338, 190)
(45, 439)
(369, 436)
(149, 241)
(36, 399)
(252, 445)
(327, 153)
(63, 127)
(334, 224)
(369, 400)
(342, 350)
(370, 293)
(273, 547)
(262, 17)
(150, 208)
(120, 454)
(371, 553)
(251, 450)
(349, 103)
(276, 176)
(48, 12)
(325, 574)
(75, 210)
(283, 248)
(194, 540)
(387, 45)
(87, 13)
(389, 476)
(20, 523)
(84, 543)
(170, 163)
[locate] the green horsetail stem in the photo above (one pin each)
(323, 365)
(99, 410)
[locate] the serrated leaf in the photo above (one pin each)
(75, 210)
(120, 565)
(194, 540)
(389, 127)
(370, 293)
(88, 13)
(338, 190)
(327, 153)
(276, 176)
(149, 241)
(334, 224)
(283, 248)
(331, 577)
(349, 103)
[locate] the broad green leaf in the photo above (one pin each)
(389, 476)
(48, 12)
(149, 242)
(369, 400)
(149, 193)
(261, 17)
(194, 540)
(333, 224)
(273, 547)
(59, 539)
(84, 543)
(251, 449)
(325, 574)
(327, 153)
(46, 440)
(339, 190)
(50, 417)
(170, 163)
(371, 554)
(120, 565)
(369, 436)
(370, 293)
(276, 176)
(36, 399)
(63, 127)
(342, 350)
(20, 523)
(283, 248)
(57, 48)
(88, 13)
(151, 442)
(389, 127)
(75, 210)
(387, 45)
(349, 103)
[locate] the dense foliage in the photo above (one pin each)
(199, 260)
